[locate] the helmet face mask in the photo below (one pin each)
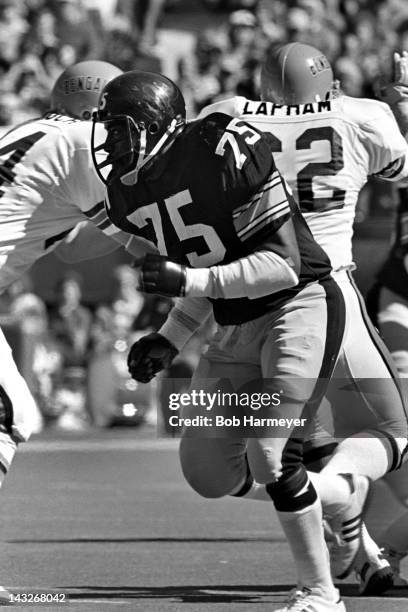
(142, 113)
(76, 91)
(296, 73)
(122, 140)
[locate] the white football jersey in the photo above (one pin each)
(47, 186)
(326, 151)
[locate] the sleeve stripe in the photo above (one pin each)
(254, 200)
(103, 223)
(95, 209)
(107, 227)
(273, 181)
(393, 169)
(264, 218)
(271, 201)
(98, 217)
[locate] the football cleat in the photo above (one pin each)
(373, 570)
(348, 524)
(312, 600)
(394, 558)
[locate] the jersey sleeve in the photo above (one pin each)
(81, 185)
(264, 213)
(387, 150)
(256, 194)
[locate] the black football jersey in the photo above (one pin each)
(394, 272)
(216, 196)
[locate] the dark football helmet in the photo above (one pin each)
(295, 74)
(142, 112)
(76, 91)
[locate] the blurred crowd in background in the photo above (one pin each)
(211, 48)
(74, 354)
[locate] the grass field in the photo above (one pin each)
(106, 519)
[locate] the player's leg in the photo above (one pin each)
(18, 414)
(371, 425)
(370, 417)
(298, 355)
(293, 348)
(18, 410)
(343, 497)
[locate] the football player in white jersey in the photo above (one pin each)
(326, 145)
(47, 187)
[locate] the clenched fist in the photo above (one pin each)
(149, 355)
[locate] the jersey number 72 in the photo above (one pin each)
(307, 200)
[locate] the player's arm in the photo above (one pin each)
(385, 148)
(184, 319)
(261, 273)
(84, 242)
(135, 245)
(87, 241)
(156, 351)
(395, 94)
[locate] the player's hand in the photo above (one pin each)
(150, 355)
(397, 91)
(401, 68)
(160, 275)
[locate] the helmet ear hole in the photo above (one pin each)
(86, 115)
(153, 128)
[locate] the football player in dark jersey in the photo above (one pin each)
(230, 240)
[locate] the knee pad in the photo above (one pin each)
(293, 491)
